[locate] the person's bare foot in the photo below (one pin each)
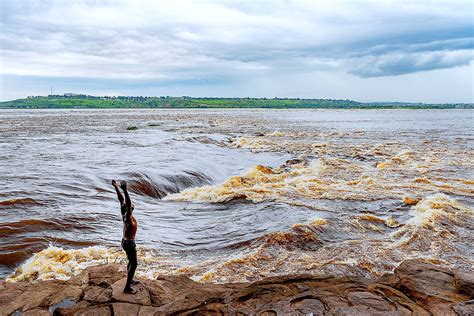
(130, 290)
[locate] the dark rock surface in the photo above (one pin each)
(415, 288)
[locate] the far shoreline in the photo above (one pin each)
(80, 101)
(237, 108)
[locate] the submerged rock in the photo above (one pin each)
(416, 287)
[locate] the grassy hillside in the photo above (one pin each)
(85, 101)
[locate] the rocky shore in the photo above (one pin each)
(415, 288)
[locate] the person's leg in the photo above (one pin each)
(131, 267)
(126, 248)
(133, 282)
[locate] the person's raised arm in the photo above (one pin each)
(128, 202)
(119, 194)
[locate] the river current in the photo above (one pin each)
(236, 195)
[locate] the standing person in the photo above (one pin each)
(129, 232)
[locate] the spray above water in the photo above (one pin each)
(59, 263)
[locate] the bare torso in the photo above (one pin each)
(129, 226)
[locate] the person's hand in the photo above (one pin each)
(123, 184)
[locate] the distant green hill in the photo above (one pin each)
(86, 101)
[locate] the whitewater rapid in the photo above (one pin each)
(238, 195)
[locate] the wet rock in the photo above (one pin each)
(70, 292)
(9, 291)
(293, 161)
(95, 311)
(98, 294)
(428, 285)
(205, 140)
(175, 293)
(403, 303)
(85, 309)
(154, 124)
(62, 304)
(464, 308)
(37, 312)
(147, 311)
(75, 309)
(415, 288)
(291, 294)
(371, 301)
(307, 304)
(125, 309)
(159, 295)
(464, 282)
(106, 275)
(82, 279)
(34, 296)
(410, 200)
(142, 297)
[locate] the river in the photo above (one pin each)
(236, 195)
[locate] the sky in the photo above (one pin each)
(408, 51)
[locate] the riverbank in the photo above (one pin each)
(415, 287)
(75, 101)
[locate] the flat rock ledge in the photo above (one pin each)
(415, 288)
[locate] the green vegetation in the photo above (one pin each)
(74, 101)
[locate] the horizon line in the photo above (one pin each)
(71, 95)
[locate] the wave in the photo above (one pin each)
(17, 250)
(55, 262)
(335, 246)
(326, 178)
(18, 202)
(300, 236)
(166, 184)
(435, 207)
(437, 215)
(39, 225)
(18, 240)
(436, 231)
(58, 263)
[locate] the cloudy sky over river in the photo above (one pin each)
(362, 50)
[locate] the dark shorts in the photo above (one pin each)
(130, 249)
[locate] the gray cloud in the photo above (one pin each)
(392, 64)
(170, 41)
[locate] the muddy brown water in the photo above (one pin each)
(234, 195)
